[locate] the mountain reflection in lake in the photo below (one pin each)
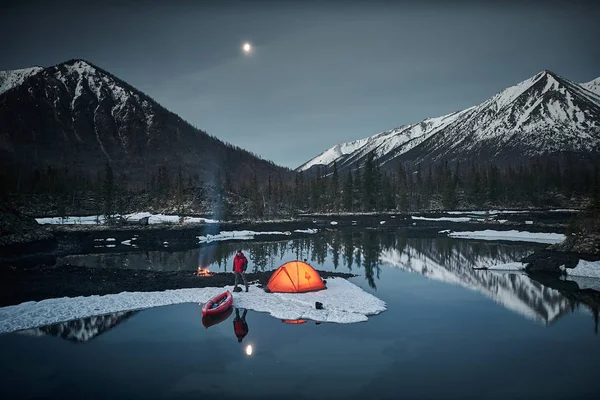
(344, 251)
(364, 253)
(81, 330)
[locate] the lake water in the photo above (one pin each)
(449, 332)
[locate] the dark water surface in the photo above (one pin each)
(449, 332)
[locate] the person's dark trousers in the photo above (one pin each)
(243, 274)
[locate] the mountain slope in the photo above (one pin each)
(386, 144)
(546, 114)
(11, 79)
(593, 86)
(76, 117)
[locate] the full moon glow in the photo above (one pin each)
(249, 350)
(247, 47)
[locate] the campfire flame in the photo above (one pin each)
(203, 272)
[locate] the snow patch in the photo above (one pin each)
(585, 269)
(490, 212)
(88, 220)
(518, 236)
(152, 219)
(451, 219)
(236, 235)
(343, 302)
(306, 230)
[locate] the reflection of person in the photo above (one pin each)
(240, 263)
(240, 327)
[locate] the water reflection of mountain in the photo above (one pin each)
(516, 292)
(438, 258)
(81, 330)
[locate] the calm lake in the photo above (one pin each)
(449, 332)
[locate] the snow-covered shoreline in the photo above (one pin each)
(343, 302)
(99, 219)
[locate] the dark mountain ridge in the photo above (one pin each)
(75, 117)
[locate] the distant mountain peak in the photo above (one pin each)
(78, 115)
(544, 114)
(593, 86)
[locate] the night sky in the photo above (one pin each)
(321, 72)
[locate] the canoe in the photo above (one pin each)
(218, 304)
(210, 320)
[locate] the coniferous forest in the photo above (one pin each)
(540, 182)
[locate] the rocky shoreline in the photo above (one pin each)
(565, 255)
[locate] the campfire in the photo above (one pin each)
(203, 272)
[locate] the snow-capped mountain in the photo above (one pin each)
(11, 79)
(81, 330)
(76, 116)
(386, 144)
(517, 292)
(593, 86)
(546, 114)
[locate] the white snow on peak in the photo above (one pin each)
(593, 86)
(87, 77)
(330, 155)
(398, 140)
(13, 78)
(509, 94)
(343, 302)
(545, 113)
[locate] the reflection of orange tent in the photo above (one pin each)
(294, 277)
(293, 321)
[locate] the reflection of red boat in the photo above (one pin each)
(218, 304)
(210, 320)
(293, 321)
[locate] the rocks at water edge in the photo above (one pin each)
(18, 229)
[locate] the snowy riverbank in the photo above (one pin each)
(343, 302)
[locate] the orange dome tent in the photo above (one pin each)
(295, 277)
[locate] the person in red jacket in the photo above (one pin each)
(240, 263)
(240, 327)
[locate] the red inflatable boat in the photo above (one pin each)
(218, 304)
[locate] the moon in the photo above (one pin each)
(247, 47)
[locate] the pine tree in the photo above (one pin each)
(108, 189)
(387, 193)
(402, 188)
(348, 194)
(334, 188)
(369, 185)
(357, 198)
(180, 210)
